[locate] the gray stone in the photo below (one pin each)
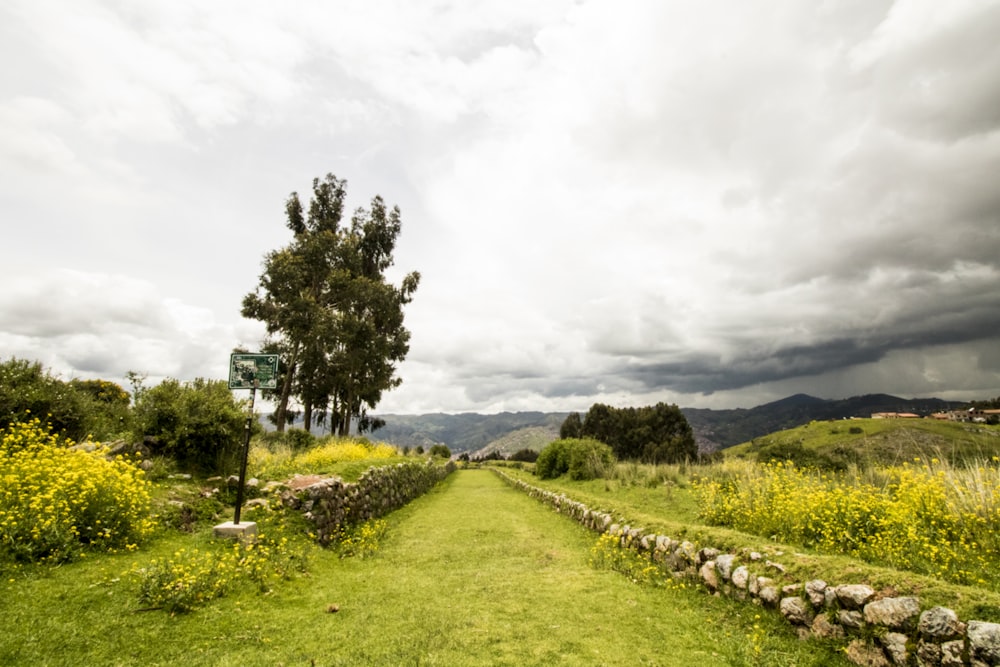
(984, 641)
(707, 554)
(816, 592)
(895, 647)
(769, 595)
(822, 627)
(940, 623)
(893, 613)
(724, 566)
(928, 655)
(791, 590)
(796, 610)
(757, 583)
(854, 596)
(709, 575)
(850, 618)
(951, 653)
(830, 598)
(866, 655)
(687, 552)
(741, 576)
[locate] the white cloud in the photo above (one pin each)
(695, 202)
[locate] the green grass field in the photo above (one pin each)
(473, 573)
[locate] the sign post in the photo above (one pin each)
(248, 371)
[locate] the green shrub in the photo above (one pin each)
(28, 391)
(582, 459)
(57, 500)
(440, 450)
(553, 460)
(198, 424)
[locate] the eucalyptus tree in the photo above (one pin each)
(328, 306)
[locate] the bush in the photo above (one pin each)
(198, 424)
(582, 459)
(28, 391)
(441, 450)
(57, 500)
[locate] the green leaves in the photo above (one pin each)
(324, 298)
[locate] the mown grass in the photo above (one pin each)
(473, 573)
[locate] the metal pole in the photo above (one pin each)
(243, 457)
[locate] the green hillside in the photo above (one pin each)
(837, 443)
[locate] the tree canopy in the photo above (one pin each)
(330, 313)
(653, 434)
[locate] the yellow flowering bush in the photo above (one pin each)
(360, 540)
(608, 554)
(281, 462)
(55, 500)
(191, 578)
(922, 516)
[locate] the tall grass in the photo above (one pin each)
(926, 516)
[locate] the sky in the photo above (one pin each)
(711, 203)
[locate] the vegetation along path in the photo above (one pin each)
(478, 573)
(473, 573)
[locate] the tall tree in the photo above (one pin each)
(327, 304)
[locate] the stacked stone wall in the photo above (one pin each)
(877, 630)
(331, 504)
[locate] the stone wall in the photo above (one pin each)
(877, 630)
(332, 503)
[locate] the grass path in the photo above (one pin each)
(473, 573)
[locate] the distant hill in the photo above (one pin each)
(718, 429)
(714, 429)
(472, 432)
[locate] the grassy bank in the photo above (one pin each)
(473, 573)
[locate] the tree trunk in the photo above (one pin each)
(286, 390)
(307, 415)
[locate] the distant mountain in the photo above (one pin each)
(468, 432)
(714, 429)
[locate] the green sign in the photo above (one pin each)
(249, 371)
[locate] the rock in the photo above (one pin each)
(816, 592)
(938, 623)
(709, 575)
(707, 554)
(796, 610)
(951, 653)
(928, 654)
(850, 618)
(757, 583)
(687, 552)
(256, 502)
(822, 627)
(895, 647)
(791, 590)
(741, 576)
(866, 655)
(893, 613)
(984, 641)
(724, 566)
(769, 595)
(775, 566)
(854, 596)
